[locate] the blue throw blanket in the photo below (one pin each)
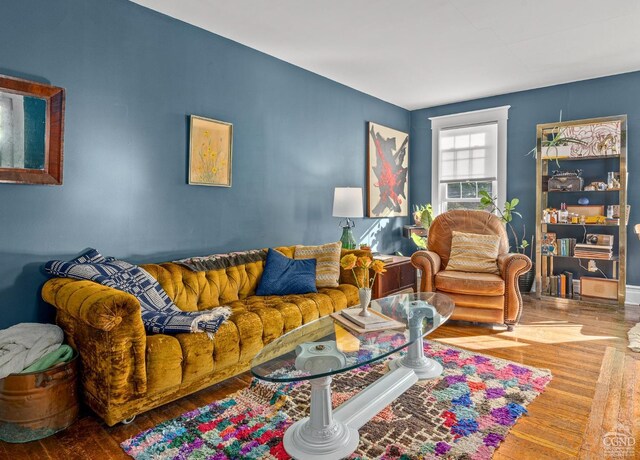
(159, 314)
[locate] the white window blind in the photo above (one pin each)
(469, 156)
(469, 153)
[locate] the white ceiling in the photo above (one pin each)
(422, 53)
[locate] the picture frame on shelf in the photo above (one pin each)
(210, 152)
(387, 172)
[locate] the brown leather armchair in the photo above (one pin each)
(481, 297)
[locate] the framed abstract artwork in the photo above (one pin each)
(210, 152)
(387, 172)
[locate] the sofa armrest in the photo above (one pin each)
(105, 326)
(511, 266)
(429, 263)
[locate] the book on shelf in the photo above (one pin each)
(351, 319)
(594, 251)
(561, 285)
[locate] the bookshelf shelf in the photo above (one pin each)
(580, 225)
(559, 274)
(592, 157)
(611, 259)
(583, 191)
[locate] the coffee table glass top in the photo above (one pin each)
(334, 349)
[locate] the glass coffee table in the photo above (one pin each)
(322, 348)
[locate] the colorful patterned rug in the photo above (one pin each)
(464, 414)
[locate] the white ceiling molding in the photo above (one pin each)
(423, 53)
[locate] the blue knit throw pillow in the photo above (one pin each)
(284, 276)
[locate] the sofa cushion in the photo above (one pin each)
(484, 284)
(475, 253)
(285, 276)
(327, 262)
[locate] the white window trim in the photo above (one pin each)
(498, 115)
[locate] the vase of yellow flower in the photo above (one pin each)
(365, 266)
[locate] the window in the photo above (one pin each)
(469, 156)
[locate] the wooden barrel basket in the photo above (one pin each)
(38, 404)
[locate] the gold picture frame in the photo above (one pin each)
(210, 152)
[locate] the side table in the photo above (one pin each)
(400, 275)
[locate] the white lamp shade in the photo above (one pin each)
(347, 202)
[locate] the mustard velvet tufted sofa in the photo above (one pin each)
(126, 372)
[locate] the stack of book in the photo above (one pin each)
(594, 251)
(560, 285)
(351, 319)
(566, 247)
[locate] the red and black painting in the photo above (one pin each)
(387, 172)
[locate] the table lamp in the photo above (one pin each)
(347, 203)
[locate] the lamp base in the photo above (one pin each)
(347, 239)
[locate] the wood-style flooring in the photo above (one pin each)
(595, 389)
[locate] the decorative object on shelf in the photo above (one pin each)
(556, 144)
(615, 213)
(210, 152)
(365, 265)
(613, 180)
(387, 172)
(347, 203)
(548, 244)
(566, 181)
(31, 132)
(601, 139)
(600, 288)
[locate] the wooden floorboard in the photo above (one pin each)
(595, 389)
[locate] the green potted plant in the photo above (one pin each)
(506, 213)
(556, 144)
(423, 216)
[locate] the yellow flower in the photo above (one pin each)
(214, 170)
(378, 267)
(363, 262)
(348, 262)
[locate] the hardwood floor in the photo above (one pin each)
(595, 389)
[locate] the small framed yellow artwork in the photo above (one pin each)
(210, 152)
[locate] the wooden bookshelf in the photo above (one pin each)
(547, 264)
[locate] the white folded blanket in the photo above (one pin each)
(634, 338)
(23, 344)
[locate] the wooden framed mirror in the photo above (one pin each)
(31, 132)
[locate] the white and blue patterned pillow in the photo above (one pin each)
(159, 313)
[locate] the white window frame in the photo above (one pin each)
(498, 115)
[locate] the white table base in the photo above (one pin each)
(329, 435)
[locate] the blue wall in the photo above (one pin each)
(600, 97)
(132, 78)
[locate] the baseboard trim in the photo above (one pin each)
(633, 295)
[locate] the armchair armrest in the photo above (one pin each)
(430, 264)
(511, 266)
(105, 326)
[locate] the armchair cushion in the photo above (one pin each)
(482, 284)
(474, 253)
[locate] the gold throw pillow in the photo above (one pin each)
(327, 262)
(475, 253)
